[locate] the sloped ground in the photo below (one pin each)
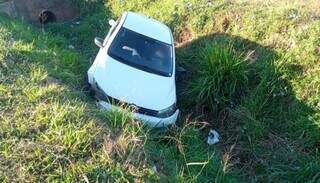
(50, 129)
(33, 10)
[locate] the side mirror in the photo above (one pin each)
(99, 42)
(181, 70)
(112, 23)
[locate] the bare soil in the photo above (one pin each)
(32, 10)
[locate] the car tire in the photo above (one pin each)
(88, 88)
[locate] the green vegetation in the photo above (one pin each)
(222, 76)
(253, 74)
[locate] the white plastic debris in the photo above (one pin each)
(213, 137)
(71, 47)
(154, 168)
(188, 5)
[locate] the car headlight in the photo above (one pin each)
(167, 112)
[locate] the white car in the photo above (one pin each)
(135, 66)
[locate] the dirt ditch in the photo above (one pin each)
(40, 11)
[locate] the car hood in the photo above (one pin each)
(134, 86)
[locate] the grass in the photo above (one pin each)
(260, 59)
(222, 76)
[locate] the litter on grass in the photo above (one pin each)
(213, 137)
(154, 168)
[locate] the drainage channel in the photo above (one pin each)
(40, 12)
(47, 16)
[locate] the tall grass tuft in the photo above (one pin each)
(222, 76)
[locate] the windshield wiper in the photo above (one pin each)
(151, 70)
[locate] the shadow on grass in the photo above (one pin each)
(267, 133)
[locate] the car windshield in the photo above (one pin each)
(142, 52)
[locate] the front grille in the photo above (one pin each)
(102, 96)
(135, 108)
(148, 112)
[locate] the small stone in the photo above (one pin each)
(318, 50)
(188, 5)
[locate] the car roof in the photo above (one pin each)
(148, 27)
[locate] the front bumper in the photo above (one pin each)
(151, 121)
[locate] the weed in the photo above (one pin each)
(222, 77)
